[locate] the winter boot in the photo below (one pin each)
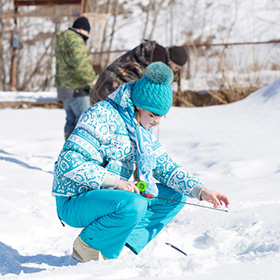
(83, 253)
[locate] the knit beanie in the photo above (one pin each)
(153, 92)
(82, 23)
(178, 55)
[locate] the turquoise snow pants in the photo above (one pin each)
(112, 219)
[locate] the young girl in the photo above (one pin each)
(91, 178)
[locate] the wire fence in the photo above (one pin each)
(225, 71)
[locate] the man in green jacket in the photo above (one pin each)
(74, 72)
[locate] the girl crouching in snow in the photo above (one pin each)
(91, 175)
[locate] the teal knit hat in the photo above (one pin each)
(153, 91)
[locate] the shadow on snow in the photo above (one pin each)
(23, 164)
(12, 262)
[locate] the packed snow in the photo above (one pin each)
(234, 148)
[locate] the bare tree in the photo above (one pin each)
(156, 8)
(35, 61)
(146, 9)
(4, 42)
(103, 44)
(115, 14)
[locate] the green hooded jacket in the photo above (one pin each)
(73, 62)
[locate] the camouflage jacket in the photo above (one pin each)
(73, 62)
(129, 67)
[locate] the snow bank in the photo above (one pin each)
(234, 148)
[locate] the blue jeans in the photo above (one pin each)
(112, 219)
(74, 107)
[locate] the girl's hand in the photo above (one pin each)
(127, 186)
(214, 197)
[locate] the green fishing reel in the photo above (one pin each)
(141, 185)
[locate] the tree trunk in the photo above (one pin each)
(116, 5)
(156, 13)
(148, 8)
(108, 9)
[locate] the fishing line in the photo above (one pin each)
(141, 185)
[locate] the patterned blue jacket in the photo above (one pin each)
(100, 145)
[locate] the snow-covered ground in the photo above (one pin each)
(234, 148)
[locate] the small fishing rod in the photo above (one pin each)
(141, 185)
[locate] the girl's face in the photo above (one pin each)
(148, 119)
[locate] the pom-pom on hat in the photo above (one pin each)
(153, 92)
(82, 23)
